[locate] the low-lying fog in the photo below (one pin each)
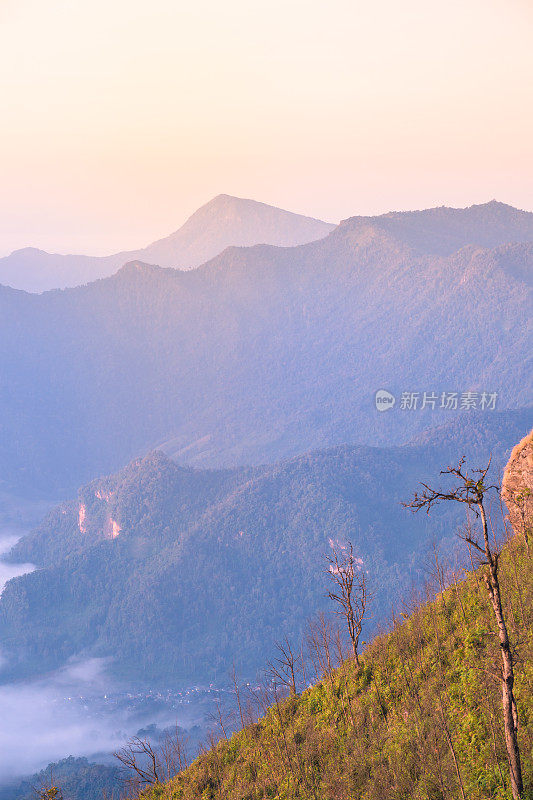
(9, 537)
(46, 720)
(78, 710)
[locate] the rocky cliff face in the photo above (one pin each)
(517, 486)
(96, 516)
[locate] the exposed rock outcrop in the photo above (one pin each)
(517, 487)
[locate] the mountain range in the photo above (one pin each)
(175, 573)
(223, 222)
(267, 352)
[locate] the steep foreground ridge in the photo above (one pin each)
(419, 718)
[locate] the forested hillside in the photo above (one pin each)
(420, 717)
(177, 573)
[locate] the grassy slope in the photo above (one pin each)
(422, 699)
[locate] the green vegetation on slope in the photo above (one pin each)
(420, 717)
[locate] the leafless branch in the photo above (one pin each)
(350, 591)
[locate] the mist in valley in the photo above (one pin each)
(79, 709)
(8, 538)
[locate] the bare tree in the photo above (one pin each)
(146, 764)
(219, 719)
(283, 670)
(319, 641)
(350, 592)
(142, 763)
(238, 696)
(472, 490)
(173, 752)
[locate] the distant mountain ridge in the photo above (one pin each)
(443, 231)
(222, 222)
(227, 221)
(262, 353)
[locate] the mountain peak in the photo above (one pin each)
(227, 221)
(246, 205)
(138, 268)
(222, 204)
(224, 221)
(29, 251)
(495, 204)
(444, 230)
(224, 198)
(492, 206)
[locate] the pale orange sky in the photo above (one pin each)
(121, 117)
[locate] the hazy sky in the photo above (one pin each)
(120, 117)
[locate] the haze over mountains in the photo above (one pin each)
(266, 352)
(227, 221)
(222, 222)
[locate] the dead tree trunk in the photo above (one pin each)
(472, 491)
(510, 713)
